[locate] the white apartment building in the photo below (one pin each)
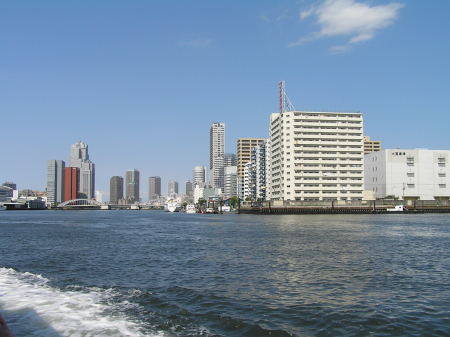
(247, 181)
(230, 182)
(316, 155)
(408, 174)
(199, 192)
(216, 153)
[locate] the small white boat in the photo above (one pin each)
(398, 208)
(226, 209)
(2, 207)
(210, 210)
(190, 209)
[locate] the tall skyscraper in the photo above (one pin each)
(79, 157)
(216, 153)
(55, 181)
(172, 187)
(189, 187)
(71, 183)
(199, 175)
(154, 187)
(115, 189)
(132, 185)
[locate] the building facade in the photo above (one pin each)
(199, 175)
(115, 190)
(172, 188)
(408, 174)
(132, 186)
(71, 183)
(371, 145)
(189, 188)
(260, 172)
(154, 187)
(244, 148)
(316, 156)
(230, 182)
(79, 157)
(199, 191)
(216, 153)
(10, 185)
(55, 181)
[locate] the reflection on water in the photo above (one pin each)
(230, 275)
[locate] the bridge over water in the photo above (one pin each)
(93, 204)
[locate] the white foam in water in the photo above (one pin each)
(31, 307)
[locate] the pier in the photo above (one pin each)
(343, 207)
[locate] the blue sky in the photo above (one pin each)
(141, 82)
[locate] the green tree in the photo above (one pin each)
(234, 201)
(248, 199)
(184, 204)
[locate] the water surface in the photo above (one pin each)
(150, 273)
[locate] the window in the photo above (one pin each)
(441, 174)
(410, 185)
(442, 185)
(410, 174)
(410, 161)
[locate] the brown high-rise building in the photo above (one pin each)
(115, 189)
(71, 183)
(244, 148)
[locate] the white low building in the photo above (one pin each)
(199, 192)
(408, 174)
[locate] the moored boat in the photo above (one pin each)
(172, 205)
(190, 209)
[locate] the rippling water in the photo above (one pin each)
(150, 273)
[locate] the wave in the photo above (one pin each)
(32, 307)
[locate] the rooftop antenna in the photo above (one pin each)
(285, 103)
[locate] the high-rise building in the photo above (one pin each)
(99, 196)
(189, 187)
(260, 172)
(71, 183)
(154, 187)
(79, 157)
(316, 155)
(172, 188)
(199, 175)
(230, 185)
(55, 181)
(115, 190)
(132, 185)
(244, 148)
(10, 185)
(216, 153)
(229, 159)
(371, 145)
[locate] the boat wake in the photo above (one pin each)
(31, 307)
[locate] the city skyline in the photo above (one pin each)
(91, 75)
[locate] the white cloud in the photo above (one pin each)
(349, 18)
(198, 43)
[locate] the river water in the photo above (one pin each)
(150, 273)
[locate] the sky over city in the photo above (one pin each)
(141, 82)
